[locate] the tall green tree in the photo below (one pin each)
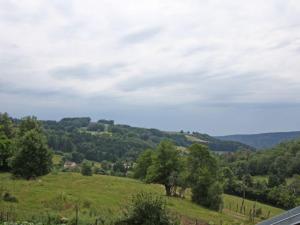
(86, 168)
(6, 125)
(202, 167)
(144, 161)
(7, 136)
(5, 152)
(33, 157)
(165, 162)
(29, 123)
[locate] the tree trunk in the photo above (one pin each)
(168, 190)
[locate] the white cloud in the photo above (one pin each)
(151, 53)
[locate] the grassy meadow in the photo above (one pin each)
(107, 196)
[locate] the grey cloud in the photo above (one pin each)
(141, 35)
(11, 12)
(11, 89)
(86, 71)
(222, 58)
(198, 49)
(162, 80)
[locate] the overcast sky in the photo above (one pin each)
(219, 67)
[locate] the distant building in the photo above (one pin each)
(70, 165)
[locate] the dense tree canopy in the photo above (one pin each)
(86, 168)
(33, 157)
(144, 161)
(165, 162)
(203, 169)
(23, 148)
(6, 152)
(276, 165)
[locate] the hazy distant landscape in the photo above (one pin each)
(78, 171)
(262, 141)
(149, 112)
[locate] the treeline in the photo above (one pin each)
(220, 145)
(105, 140)
(263, 175)
(23, 148)
(196, 168)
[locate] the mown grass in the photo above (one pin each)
(104, 195)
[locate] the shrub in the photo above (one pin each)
(33, 157)
(258, 212)
(86, 168)
(147, 209)
(6, 196)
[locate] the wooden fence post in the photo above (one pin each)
(76, 214)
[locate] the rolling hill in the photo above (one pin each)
(262, 141)
(104, 197)
(105, 140)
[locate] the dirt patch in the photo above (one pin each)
(189, 221)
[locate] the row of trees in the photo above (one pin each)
(283, 196)
(275, 166)
(283, 160)
(177, 170)
(23, 148)
(105, 140)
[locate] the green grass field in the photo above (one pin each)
(105, 195)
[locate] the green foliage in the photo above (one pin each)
(147, 209)
(104, 140)
(108, 195)
(165, 162)
(282, 196)
(7, 141)
(29, 123)
(86, 168)
(6, 152)
(274, 180)
(295, 184)
(214, 196)
(202, 167)
(119, 167)
(33, 157)
(8, 197)
(277, 165)
(143, 162)
(6, 126)
(216, 144)
(74, 156)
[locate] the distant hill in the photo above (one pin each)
(105, 140)
(262, 141)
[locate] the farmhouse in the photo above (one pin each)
(70, 165)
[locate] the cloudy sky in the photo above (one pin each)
(214, 66)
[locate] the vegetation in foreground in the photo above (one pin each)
(24, 152)
(98, 196)
(270, 176)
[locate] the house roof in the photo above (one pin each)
(291, 217)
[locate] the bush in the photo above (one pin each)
(86, 168)
(100, 171)
(215, 196)
(6, 196)
(147, 209)
(33, 157)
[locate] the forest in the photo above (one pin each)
(183, 163)
(105, 140)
